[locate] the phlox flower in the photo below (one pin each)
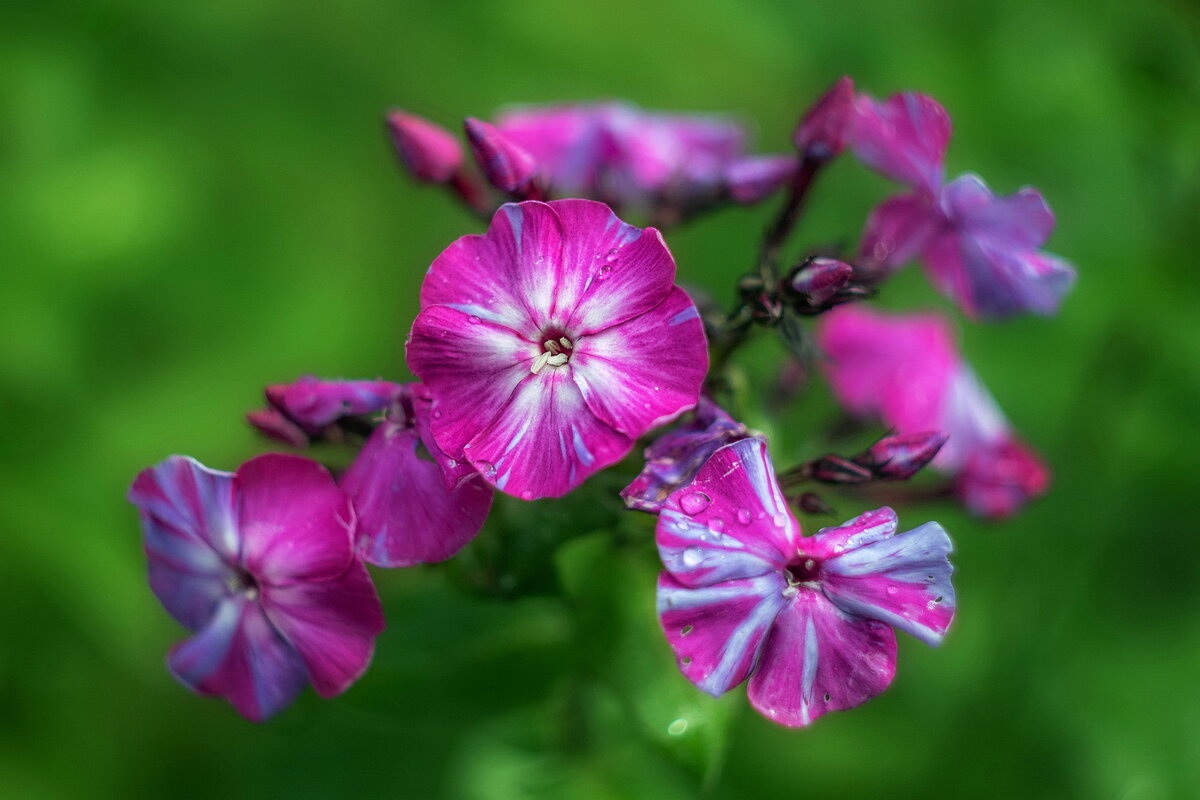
(809, 620)
(981, 250)
(260, 563)
(907, 371)
(551, 342)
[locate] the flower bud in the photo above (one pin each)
(823, 132)
(272, 423)
(835, 469)
(819, 279)
(765, 307)
(507, 165)
(428, 151)
(901, 457)
(811, 503)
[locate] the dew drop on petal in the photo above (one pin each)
(780, 520)
(604, 272)
(685, 630)
(743, 516)
(694, 503)
(474, 320)
(717, 524)
(692, 556)
(891, 590)
(485, 467)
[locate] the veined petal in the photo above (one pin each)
(296, 523)
(730, 522)
(819, 659)
(644, 372)
(546, 441)
(332, 624)
(903, 137)
(240, 656)
(717, 631)
(455, 471)
(465, 365)
(899, 228)
(406, 513)
(901, 579)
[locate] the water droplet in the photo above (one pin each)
(437, 414)
(827, 697)
(780, 520)
(694, 503)
(685, 630)
(891, 590)
(717, 524)
(692, 556)
(677, 727)
(604, 272)
(474, 320)
(743, 516)
(485, 468)
(685, 660)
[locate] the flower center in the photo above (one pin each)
(555, 353)
(806, 572)
(242, 582)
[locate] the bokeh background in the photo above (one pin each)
(197, 199)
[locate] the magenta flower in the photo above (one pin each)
(907, 371)
(261, 565)
(553, 341)
(307, 407)
(978, 249)
(809, 620)
(673, 459)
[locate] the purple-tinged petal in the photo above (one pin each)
(296, 523)
(271, 422)
(332, 624)
(190, 533)
(898, 229)
(823, 131)
(611, 272)
(569, 143)
(717, 631)
(646, 371)
(751, 179)
(903, 138)
(817, 659)
(731, 522)
(406, 514)
(901, 579)
(456, 472)
(673, 459)
(240, 656)
(972, 418)
(1021, 220)
(507, 166)
(545, 441)
(998, 480)
(865, 529)
(466, 363)
(429, 151)
(313, 403)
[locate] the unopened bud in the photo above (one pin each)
(430, 152)
(270, 422)
(835, 469)
(765, 307)
(901, 457)
(506, 165)
(811, 503)
(823, 132)
(819, 279)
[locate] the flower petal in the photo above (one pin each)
(1021, 220)
(644, 372)
(903, 137)
(406, 513)
(901, 579)
(332, 624)
(999, 478)
(546, 441)
(730, 522)
(819, 659)
(717, 631)
(470, 368)
(898, 229)
(240, 656)
(313, 403)
(296, 523)
(190, 534)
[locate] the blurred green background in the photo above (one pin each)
(197, 199)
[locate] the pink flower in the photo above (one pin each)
(808, 620)
(261, 565)
(553, 341)
(978, 249)
(907, 371)
(673, 459)
(309, 406)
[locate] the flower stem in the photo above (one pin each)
(785, 221)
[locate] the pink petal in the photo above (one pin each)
(190, 534)
(507, 165)
(239, 655)
(999, 479)
(271, 422)
(455, 472)
(731, 522)
(901, 579)
(644, 372)
(1021, 220)
(313, 403)
(546, 441)
(296, 524)
(430, 152)
(609, 272)
(903, 137)
(332, 624)
(470, 368)
(755, 178)
(406, 514)
(819, 659)
(569, 143)
(898, 229)
(823, 131)
(717, 631)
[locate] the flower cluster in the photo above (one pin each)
(549, 345)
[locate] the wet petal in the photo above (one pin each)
(406, 513)
(644, 372)
(546, 441)
(240, 656)
(332, 624)
(898, 229)
(730, 522)
(296, 523)
(903, 137)
(717, 631)
(819, 659)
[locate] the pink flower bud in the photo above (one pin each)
(429, 151)
(819, 279)
(901, 457)
(823, 132)
(507, 166)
